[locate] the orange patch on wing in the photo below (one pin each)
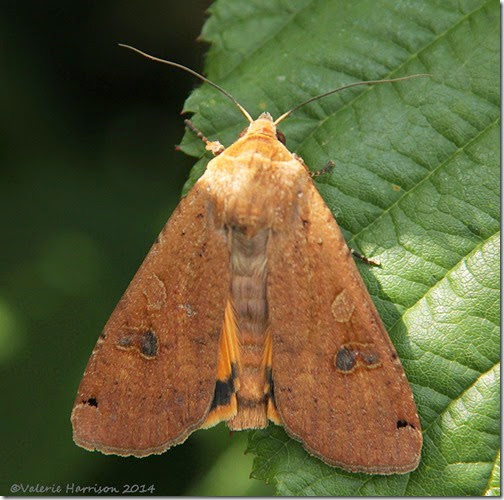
(271, 410)
(224, 405)
(221, 413)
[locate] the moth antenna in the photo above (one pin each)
(189, 70)
(370, 82)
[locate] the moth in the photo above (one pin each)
(249, 308)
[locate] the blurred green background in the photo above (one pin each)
(89, 177)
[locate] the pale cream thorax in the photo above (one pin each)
(255, 181)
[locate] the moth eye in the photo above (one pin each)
(281, 137)
(243, 132)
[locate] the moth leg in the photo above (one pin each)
(214, 146)
(326, 168)
(371, 262)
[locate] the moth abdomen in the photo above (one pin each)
(248, 290)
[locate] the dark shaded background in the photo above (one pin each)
(89, 175)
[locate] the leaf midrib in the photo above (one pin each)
(475, 249)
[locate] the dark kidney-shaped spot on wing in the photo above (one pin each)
(149, 344)
(345, 359)
(145, 343)
(353, 355)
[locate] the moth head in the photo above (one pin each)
(262, 126)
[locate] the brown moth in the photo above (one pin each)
(250, 308)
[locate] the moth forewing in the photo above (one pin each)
(150, 380)
(344, 395)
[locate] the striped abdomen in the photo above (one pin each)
(248, 265)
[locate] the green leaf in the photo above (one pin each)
(416, 185)
(493, 489)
